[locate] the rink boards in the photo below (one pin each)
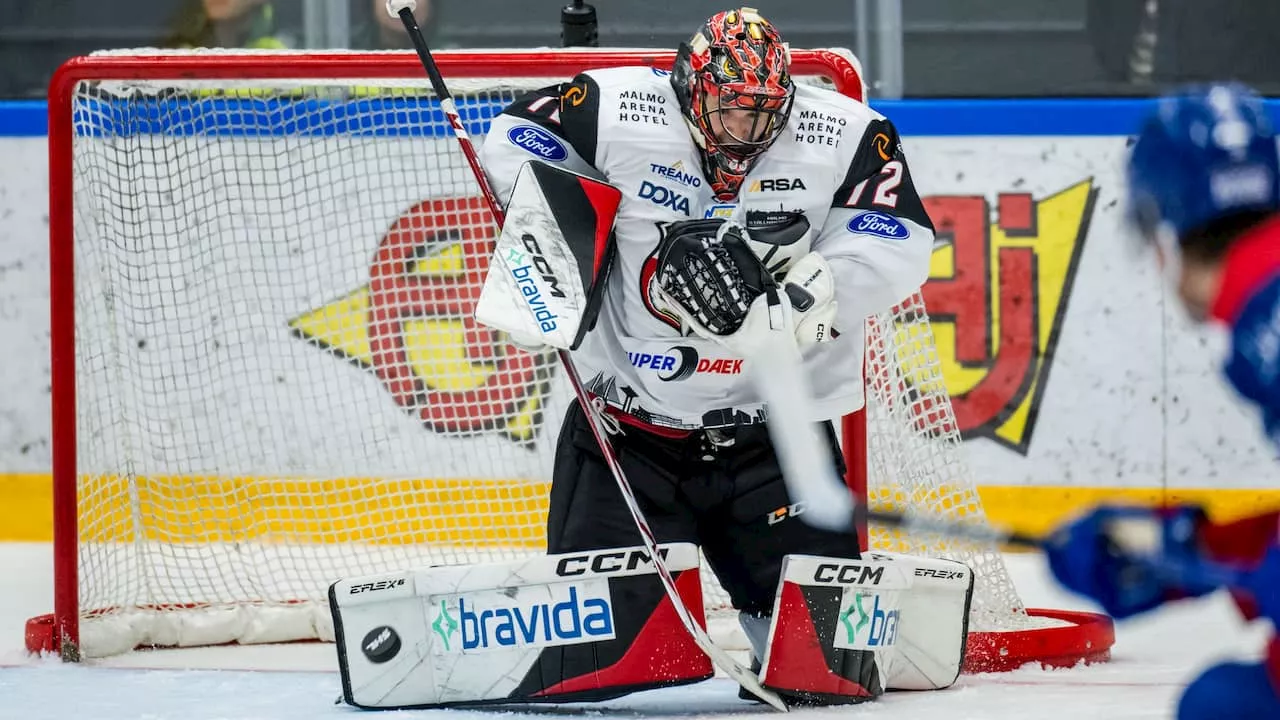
(1090, 386)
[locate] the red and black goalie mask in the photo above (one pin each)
(735, 92)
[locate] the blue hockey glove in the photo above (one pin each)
(1128, 559)
(1263, 584)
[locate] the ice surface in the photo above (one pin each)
(1153, 657)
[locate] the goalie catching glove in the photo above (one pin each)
(712, 274)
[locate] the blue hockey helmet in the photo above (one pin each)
(1207, 153)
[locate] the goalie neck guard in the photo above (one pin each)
(735, 91)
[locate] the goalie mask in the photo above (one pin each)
(735, 93)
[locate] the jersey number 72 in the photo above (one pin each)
(885, 186)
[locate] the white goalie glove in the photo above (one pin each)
(807, 306)
(711, 275)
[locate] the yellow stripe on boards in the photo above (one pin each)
(468, 512)
(198, 509)
(26, 507)
(1037, 510)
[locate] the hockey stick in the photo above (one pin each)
(1180, 572)
(959, 530)
(403, 9)
(808, 469)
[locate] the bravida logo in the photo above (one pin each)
(867, 625)
(880, 225)
(659, 195)
(578, 613)
(537, 141)
(445, 625)
(523, 267)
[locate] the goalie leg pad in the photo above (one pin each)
(557, 628)
(844, 631)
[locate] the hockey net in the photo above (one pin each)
(265, 373)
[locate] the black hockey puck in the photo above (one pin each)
(381, 644)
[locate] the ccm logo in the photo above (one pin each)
(376, 586)
(940, 574)
(605, 562)
(848, 574)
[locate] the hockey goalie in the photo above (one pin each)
(664, 228)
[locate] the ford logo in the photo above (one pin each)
(537, 141)
(880, 225)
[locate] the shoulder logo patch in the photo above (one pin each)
(538, 142)
(880, 225)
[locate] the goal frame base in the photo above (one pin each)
(1087, 639)
(41, 638)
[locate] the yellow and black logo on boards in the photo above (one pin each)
(412, 327)
(997, 294)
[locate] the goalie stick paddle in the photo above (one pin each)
(403, 9)
(808, 469)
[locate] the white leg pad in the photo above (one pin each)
(847, 630)
(933, 624)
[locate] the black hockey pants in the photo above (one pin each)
(731, 501)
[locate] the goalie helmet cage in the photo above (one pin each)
(265, 376)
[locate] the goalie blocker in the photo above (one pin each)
(597, 625)
(547, 275)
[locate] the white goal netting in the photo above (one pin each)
(277, 379)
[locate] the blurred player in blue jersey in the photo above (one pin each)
(1204, 188)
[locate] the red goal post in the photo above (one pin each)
(117, 187)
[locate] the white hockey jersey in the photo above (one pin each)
(839, 163)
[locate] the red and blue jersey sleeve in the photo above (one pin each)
(1244, 543)
(1249, 302)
